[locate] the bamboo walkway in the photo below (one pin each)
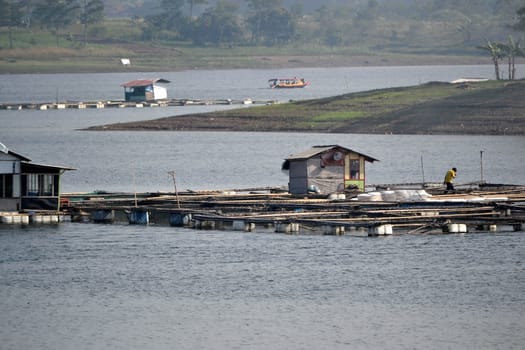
(269, 211)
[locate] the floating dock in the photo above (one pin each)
(124, 104)
(47, 217)
(272, 210)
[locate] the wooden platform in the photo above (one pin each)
(275, 211)
(124, 104)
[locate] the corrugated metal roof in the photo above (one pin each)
(315, 150)
(144, 82)
(309, 153)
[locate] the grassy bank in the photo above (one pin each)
(106, 58)
(484, 108)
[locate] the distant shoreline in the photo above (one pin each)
(480, 108)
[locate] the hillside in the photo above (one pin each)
(485, 108)
(180, 35)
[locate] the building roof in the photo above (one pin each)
(4, 149)
(315, 150)
(144, 82)
(19, 156)
(29, 167)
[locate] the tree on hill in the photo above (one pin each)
(520, 25)
(217, 25)
(172, 17)
(511, 50)
(496, 53)
(56, 15)
(91, 11)
(259, 17)
(195, 2)
(10, 17)
(171, 20)
(271, 26)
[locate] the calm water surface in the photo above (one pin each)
(83, 286)
(86, 286)
(127, 161)
(234, 84)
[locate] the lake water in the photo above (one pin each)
(86, 286)
(234, 84)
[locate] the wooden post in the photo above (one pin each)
(481, 165)
(172, 174)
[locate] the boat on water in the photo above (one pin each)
(287, 83)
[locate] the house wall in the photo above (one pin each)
(350, 177)
(25, 185)
(40, 203)
(333, 170)
(305, 174)
(9, 167)
(138, 94)
(9, 204)
(298, 177)
(159, 93)
(40, 191)
(9, 182)
(326, 178)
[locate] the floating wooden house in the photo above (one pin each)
(28, 186)
(326, 169)
(145, 90)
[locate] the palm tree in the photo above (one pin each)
(496, 53)
(511, 50)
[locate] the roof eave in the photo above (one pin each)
(45, 167)
(315, 150)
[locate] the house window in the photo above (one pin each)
(32, 184)
(6, 186)
(47, 185)
(354, 169)
(40, 185)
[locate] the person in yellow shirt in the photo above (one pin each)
(449, 179)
